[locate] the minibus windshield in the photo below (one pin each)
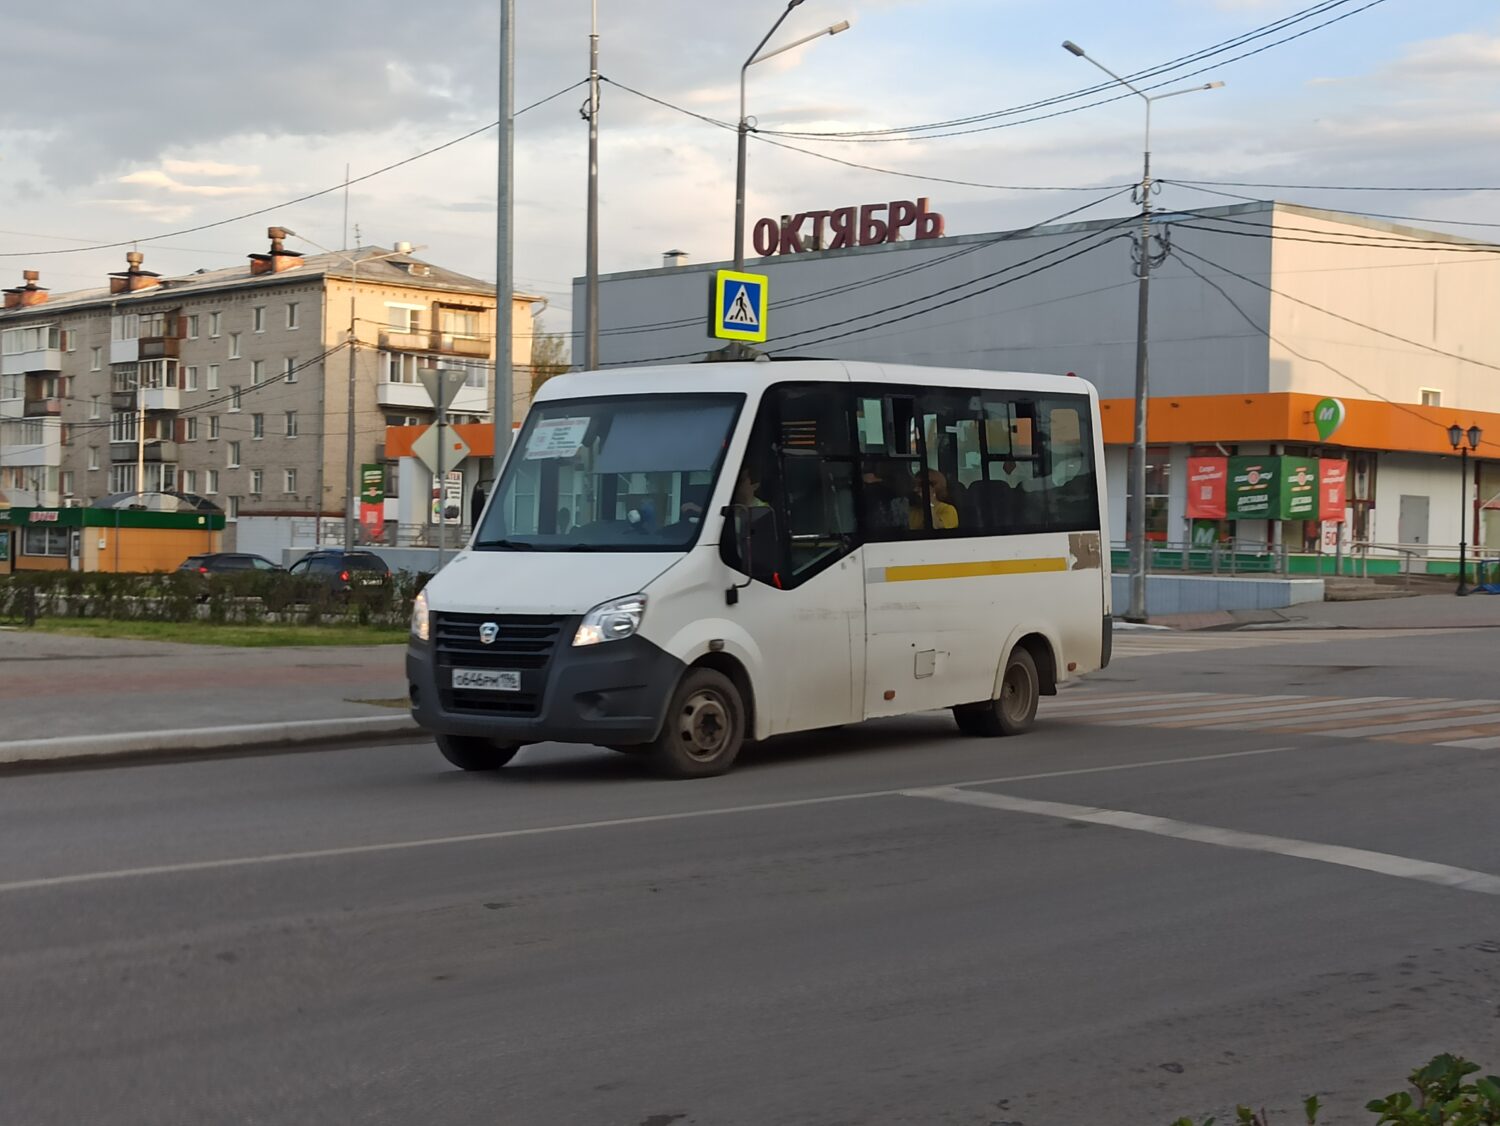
(619, 474)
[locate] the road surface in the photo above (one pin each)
(1189, 887)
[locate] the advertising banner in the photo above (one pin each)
(1207, 480)
(1299, 488)
(372, 499)
(1333, 488)
(1253, 488)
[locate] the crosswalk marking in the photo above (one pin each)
(1432, 721)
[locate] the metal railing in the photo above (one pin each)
(1224, 557)
(1361, 560)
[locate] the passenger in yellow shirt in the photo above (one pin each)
(944, 515)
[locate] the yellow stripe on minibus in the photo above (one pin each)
(923, 571)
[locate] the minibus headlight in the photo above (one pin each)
(611, 621)
(419, 617)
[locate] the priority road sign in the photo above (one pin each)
(739, 305)
(425, 448)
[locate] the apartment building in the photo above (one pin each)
(233, 384)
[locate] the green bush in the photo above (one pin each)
(1439, 1096)
(183, 596)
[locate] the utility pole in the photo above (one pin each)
(349, 491)
(140, 438)
(591, 257)
(504, 236)
(442, 466)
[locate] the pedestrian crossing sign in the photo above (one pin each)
(740, 302)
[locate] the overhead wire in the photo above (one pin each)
(291, 202)
(1269, 335)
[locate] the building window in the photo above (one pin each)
(257, 481)
(210, 482)
(122, 479)
(257, 427)
(96, 359)
(45, 541)
(258, 319)
(291, 424)
(233, 512)
(403, 318)
(289, 370)
(400, 367)
(190, 379)
(1431, 397)
(70, 340)
(122, 426)
(190, 480)
(233, 460)
(190, 429)
(94, 408)
(66, 480)
(1158, 485)
(289, 480)
(213, 427)
(211, 382)
(257, 372)
(234, 397)
(192, 326)
(93, 457)
(234, 345)
(215, 322)
(293, 318)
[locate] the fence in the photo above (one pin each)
(1363, 560)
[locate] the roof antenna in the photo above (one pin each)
(357, 242)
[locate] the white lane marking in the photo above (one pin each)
(1339, 712)
(1421, 725)
(576, 826)
(1204, 701)
(1482, 743)
(1077, 698)
(1383, 863)
(1213, 715)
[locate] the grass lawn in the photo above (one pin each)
(207, 633)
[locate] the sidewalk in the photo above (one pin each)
(1422, 611)
(117, 697)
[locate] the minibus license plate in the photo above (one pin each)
(487, 680)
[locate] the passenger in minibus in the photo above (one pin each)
(944, 515)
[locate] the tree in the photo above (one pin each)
(549, 357)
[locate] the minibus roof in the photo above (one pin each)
(750, 377)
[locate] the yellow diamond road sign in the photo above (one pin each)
(740, 303)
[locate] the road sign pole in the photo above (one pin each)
(442, 477)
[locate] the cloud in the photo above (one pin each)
(1464, 57)
(154, 178)
(208, 168)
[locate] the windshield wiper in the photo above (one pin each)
(580, 547)
(504, 545)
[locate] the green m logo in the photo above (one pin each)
(1328, 415)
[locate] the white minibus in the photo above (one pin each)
(676, 560)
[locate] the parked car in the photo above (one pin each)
(225, 562)
(343, 570)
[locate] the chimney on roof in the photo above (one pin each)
(673, 258)
(27, 293)
(133, 278)
(279, 259)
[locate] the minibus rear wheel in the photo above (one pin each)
(1015, 711)
(471, 752)
(704, 728)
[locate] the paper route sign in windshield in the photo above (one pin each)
(556, 437)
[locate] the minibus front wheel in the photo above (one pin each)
(471, 752)
(704, 728)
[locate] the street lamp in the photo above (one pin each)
(1136, 517)
(744, 130)
(402, 249)
(1456, 435)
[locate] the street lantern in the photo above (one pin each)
(1456, 436)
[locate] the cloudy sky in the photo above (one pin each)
(128, 122)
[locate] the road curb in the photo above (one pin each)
(244, 736)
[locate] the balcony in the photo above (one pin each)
(33, 442)
(439, 342)
(159, 347)
(162, 398)
(124, 351)
(406, 341)
(462, 346)
(123, 453)
(413, 396)
(42, 407)
(38, 359)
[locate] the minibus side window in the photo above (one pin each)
(817, 469)
(756, 496)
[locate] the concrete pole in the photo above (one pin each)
(505, 239)
(349, 429)
(591, 258)
(1136, 520)
(442, 464)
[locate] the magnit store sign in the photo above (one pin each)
(1253, 488)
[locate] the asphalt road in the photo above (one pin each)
(888, 924)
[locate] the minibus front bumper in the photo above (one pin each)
(611, 694)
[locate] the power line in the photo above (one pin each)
(1338, 316)
(1089, 105)
(1266, 332)
(1347, 211)
(290, 202)
(728, 125)
(1331, 187)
